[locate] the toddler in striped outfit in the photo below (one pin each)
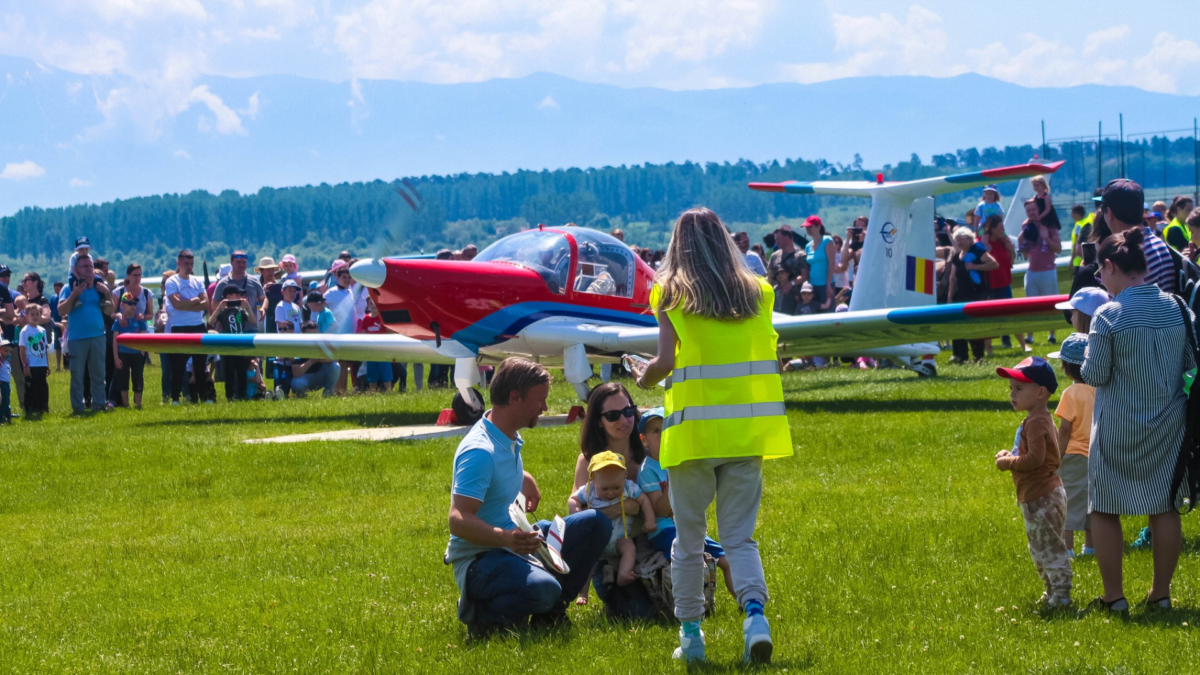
(1034, 461)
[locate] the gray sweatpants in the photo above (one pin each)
(737, 485)
(89, 354)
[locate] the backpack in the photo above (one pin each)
(1186, 476)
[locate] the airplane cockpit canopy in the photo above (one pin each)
(606, 266)
(547, 253)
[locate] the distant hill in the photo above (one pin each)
(291, 131)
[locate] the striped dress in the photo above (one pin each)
(1136, 356)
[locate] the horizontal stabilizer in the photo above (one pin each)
(925, 187)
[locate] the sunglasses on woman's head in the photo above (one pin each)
(614, 415)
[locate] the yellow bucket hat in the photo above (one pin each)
(603, 460)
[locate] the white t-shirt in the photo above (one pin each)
(33, 339)
(286, 312)
(188, 289)
(340, 301)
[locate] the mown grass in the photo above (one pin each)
(157, 542)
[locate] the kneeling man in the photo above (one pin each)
(501, 583)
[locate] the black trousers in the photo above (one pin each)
(960, 348)
(132, 369)
(110, 364)
(202, 389)
(37, 392)
(235, 377)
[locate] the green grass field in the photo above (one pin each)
(157, 542)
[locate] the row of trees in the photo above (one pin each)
(431, 212)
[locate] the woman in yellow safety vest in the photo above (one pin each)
(724, 415)
(1176, 233)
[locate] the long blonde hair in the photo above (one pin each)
(705, 272)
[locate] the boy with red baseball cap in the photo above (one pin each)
(1034, 461)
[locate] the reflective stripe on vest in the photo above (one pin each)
(701, 413)
(728, 370)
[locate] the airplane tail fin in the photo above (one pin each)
(1015, 215)
(897, 265)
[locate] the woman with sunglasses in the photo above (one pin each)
(724, 415)
(611, 424)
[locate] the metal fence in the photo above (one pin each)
(1165, 162)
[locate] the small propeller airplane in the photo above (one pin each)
(570, 297)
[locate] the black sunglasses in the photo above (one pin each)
(241, 256)
(186, 257)
(614, 415)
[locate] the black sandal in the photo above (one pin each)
(1120, 605)
(1159, 603)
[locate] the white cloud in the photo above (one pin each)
(268, 33)
(226, 122)
(706, 29)
(22, 171)
(251, 110)
(113, 10)
(182, 154)
(79, 182)
(1094, 41)
(548, 102)
(883, 45)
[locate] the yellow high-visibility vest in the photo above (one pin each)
(725, 396)
(1075, 232)
(1187, 232)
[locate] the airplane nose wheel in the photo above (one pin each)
(468, 412)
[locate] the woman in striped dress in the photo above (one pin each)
(1136, 356)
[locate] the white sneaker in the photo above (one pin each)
(758, 640)
(690, 649)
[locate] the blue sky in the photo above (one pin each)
(157, 51)
(662, 43)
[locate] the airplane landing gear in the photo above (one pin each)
(468, 403)
(467, 411)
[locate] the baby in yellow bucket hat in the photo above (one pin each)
(608, 486)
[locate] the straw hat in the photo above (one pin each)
(265, 263)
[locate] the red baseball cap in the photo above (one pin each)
(1034, 370)
(813, 221)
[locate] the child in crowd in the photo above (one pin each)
(35, 361)
(1033, 461)
(607, 486)
(654, 481)
(5, 381)
(287, 311)
(808, 303)
(1046, 213)
(989, 205)
(255, 387)
(283, 367)
(130, 363)
(379, 373)
(319, 313)
(290, 270)
(1074, 437)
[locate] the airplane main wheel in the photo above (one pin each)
(471, 413)
(925, 370)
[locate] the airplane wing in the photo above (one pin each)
(837, 334)
(357, 347)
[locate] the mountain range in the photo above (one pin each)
(69, 138)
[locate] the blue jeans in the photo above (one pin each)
(508, 589)
(323, 379)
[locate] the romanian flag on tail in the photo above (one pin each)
(918, 275)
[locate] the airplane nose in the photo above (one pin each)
(369, 272)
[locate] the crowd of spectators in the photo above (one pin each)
(76, 324)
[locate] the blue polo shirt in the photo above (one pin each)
(85, 320)
(653, 478)
(487, 467)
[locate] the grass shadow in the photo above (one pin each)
(866, 405)
(364, 420)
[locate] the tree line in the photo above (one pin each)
(429, 212)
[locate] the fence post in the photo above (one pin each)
(1100, 154)
(1121, 122)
